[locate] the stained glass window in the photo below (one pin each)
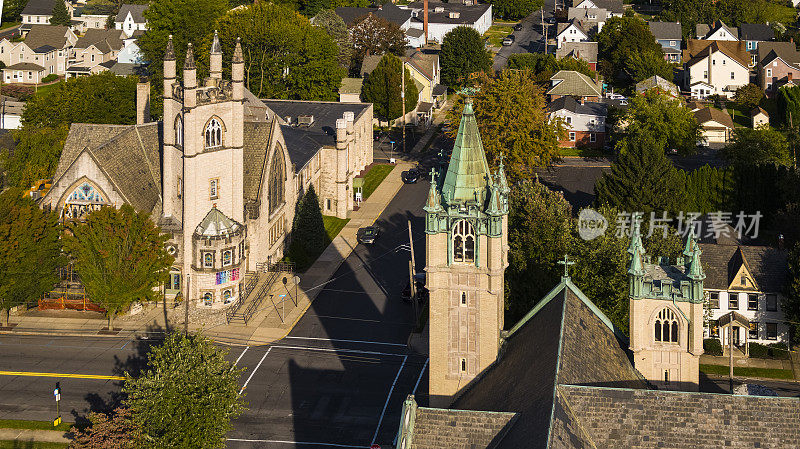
(227, 258)
(82, 201)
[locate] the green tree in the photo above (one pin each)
(30, 250)
(120, 256)
(284, 55)
(623, 38)
(376, 36)
(763, 145)
(309, 238)
(382, 89)
(539, 234)
(35, 155)
(515, 9)
(644, 64)
(187, 395)
(642, 179)
(688, 13)
(709, 189)
(12, 10)
(789, 105)
(543, 66)
(512, 119)
(337, 30)
(463, 53)
(748, 96)
(664, 119)
(791, 300)
(60, 14)
(107, 431)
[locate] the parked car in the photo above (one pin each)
(410, 176)
(518, 27)
(508, 40)
(367, 235)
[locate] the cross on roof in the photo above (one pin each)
(433, 173)
(566, 262)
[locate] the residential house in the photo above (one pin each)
(10, 112)
(718, 32)
(585, 121)
(714, 67)
(39, 12)
(614, 8)
(778, 65)
(669, 35)
(131, 53)
(389, 12)
(759, 117)
(572, 31)
(585, 51)
(444, 17)
(350, 90)
(424, 70)
(592, 19)
(93, 49)
(753, 34)
(716, 126)
(130, 19)
(45, 51)
(574, 84)
(747, 280)
(91, 17)
(656, 82)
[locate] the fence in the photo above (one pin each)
(68, 298)
(235, 312)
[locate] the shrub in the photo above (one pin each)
(760, 351)
(49, 78)
(712, 346)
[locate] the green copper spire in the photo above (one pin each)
(433, 204)
(501, 176)
(696, 272)
(495, 203)
(688, 249)
(468, 174)
(636, 250)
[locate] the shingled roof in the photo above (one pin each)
(768, 266)
(666, 30)
(52, 35)
(709, 114)
(137, 12)
(768, 51)
(439, 428)
(699, 49)
(105, 40)
(257, 138)
(586, 51)
(39, 8)
(570, 82)
(756, 32)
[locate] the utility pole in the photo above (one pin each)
(186, 307)
(544, 28)
(403, 97)
(411, 270)
(730, 349)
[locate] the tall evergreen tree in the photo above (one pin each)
(30, 250)
(382, 89)
(309, 238)
(642, 179)
(60, 14)
(463, 53)
(791, 299)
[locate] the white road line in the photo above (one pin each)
(351, 341)
(420, 376)
(386, 404)
(254, 370)
(301, 443)
(241, 355)
(355, 351)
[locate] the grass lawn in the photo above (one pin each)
(740, 116)
(8, 25)
(333, 225)
(10, 444)
(33, 425)
(497, 32)
(768, 373)
(581, 152)
(374, 177)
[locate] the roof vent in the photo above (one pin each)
(288, 119)
(469, 2)
(305, 120)
(455, 15)
(438, 9)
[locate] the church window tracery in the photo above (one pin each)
(463, 242)
(666, 327)
(83, 200)
(277, 180)
(213, 134)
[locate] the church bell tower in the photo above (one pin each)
(466, 247)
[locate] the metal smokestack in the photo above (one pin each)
(425, 21)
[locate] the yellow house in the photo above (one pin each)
(424, 69)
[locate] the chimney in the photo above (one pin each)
(789, 75)
(142, 102)
(425, 20)
(349, 118)
(341, 134)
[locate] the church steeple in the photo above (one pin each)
(468, 177)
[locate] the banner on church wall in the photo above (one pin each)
(223, 277)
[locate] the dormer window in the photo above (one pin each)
(213, 134)
(463, 242)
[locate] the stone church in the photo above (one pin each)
(221, 172)
(564, 376)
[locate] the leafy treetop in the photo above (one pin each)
(463, 53)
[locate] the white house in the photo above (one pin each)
(131, 18)
(572, 31)
(46, 50)
(715, 126)
(444, 17)
(715, 67)
(39, 12)
(719, 32)
(614, 8)
(10, 113)
(130, 53)
(585, 121)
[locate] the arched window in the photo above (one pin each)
(213, 134)
(208, 298)
(179, 132)
(463, 242)
(666, 326)
(277, 180)
(83, 200)
(226, 296)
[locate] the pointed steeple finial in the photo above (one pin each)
(433, 204)
(566, 262)
(636, 250)
(636, 236)
(696, 272)
(216, 48)
(189, 64)
(501, 176)
(688, 249)
(169, 52)
(238, 56)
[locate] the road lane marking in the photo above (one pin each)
(416, 385)
(254, 370)
(299, 443)
(386, 404)
(241, 355)
(67, 375)
(355, 351)
(351, 341)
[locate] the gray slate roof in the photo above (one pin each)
(767, 51)
(217, 224)
(52, 35)
(614, 6)
(572, 105)
(768, 266)
(39, 8)
(756, 32)
(105, 40)
(389, 12)
(257, 137)
(25, 66)
(583, 14)
(435, 429)
(137, 11)
(467, 14)
(666, 30)
(129, 155)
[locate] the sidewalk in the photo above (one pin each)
(24, 435)
(748, 362)
(278, 313)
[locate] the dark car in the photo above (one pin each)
(422, 292)
(367, 235)
(518, 27)
(410, 176)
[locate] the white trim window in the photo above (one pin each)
(572, 136)
(213, 134)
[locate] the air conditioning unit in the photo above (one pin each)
(305, 120)
(455, 15)
(438, 9)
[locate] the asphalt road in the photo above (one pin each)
(528, 40)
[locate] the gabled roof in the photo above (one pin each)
(570, 82)
(758, 110)
(656, 81)
(423, 63)
(563, 26)
(699, 49)
(704, 31)
(586, 51)
(708, 114)
(388, 12)
(768, 51)
(369, 63)
(666, 30)
(351, 85)
(217, 224)
(468, 176)
(52, 35)
(25, 66)
(614, 6)
(39, 8)
(571, 104)
(583, 14)
(756, 32)
(105, 40)
(436, 428)
(768, 266)
(136, 11)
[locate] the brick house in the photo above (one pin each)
(778, 64)
(585, 51)
(585, 121)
